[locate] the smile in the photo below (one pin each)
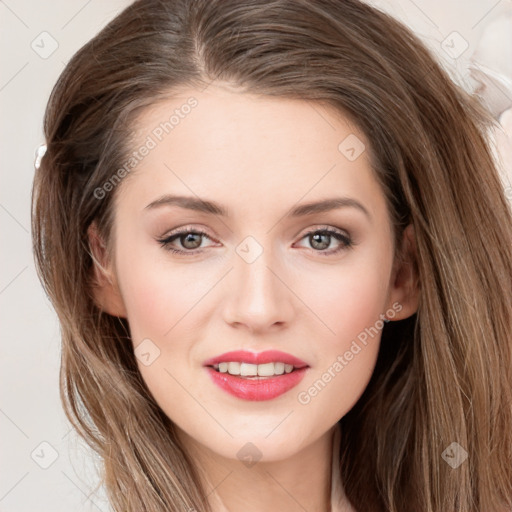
(254, 370)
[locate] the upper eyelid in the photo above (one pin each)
(184, 230)
(187, 229)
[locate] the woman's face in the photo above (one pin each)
(296, 257)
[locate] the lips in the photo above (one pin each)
(268, 356)
(256, 388)
(264, 388)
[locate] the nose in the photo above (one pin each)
(258, 295)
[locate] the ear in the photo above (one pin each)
(105, 289)
(404, 285)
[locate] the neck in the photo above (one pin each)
(302, 481)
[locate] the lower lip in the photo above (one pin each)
(257, 389)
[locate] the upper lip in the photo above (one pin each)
(268, 356)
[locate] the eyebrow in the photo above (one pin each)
(205, 206)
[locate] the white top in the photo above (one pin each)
(337, 492)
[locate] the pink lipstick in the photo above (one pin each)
(254, 386)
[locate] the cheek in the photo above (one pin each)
(157, 294)
(347, 298)
(151, 304)
(160, 302)
(351, 305)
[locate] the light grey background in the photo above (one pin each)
(30, 410)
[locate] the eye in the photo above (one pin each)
(321, 239)
(189, 239)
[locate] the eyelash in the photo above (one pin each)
(347, 242)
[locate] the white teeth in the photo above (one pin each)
(253, 370)
(234, 368)
(265, 370)
(248, 370)
(279, 368)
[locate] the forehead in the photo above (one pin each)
(224, 118)
(230, 144)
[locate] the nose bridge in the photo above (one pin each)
(257, 296)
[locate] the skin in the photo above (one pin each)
(258, 157)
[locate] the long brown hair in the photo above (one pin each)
(443, 376)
